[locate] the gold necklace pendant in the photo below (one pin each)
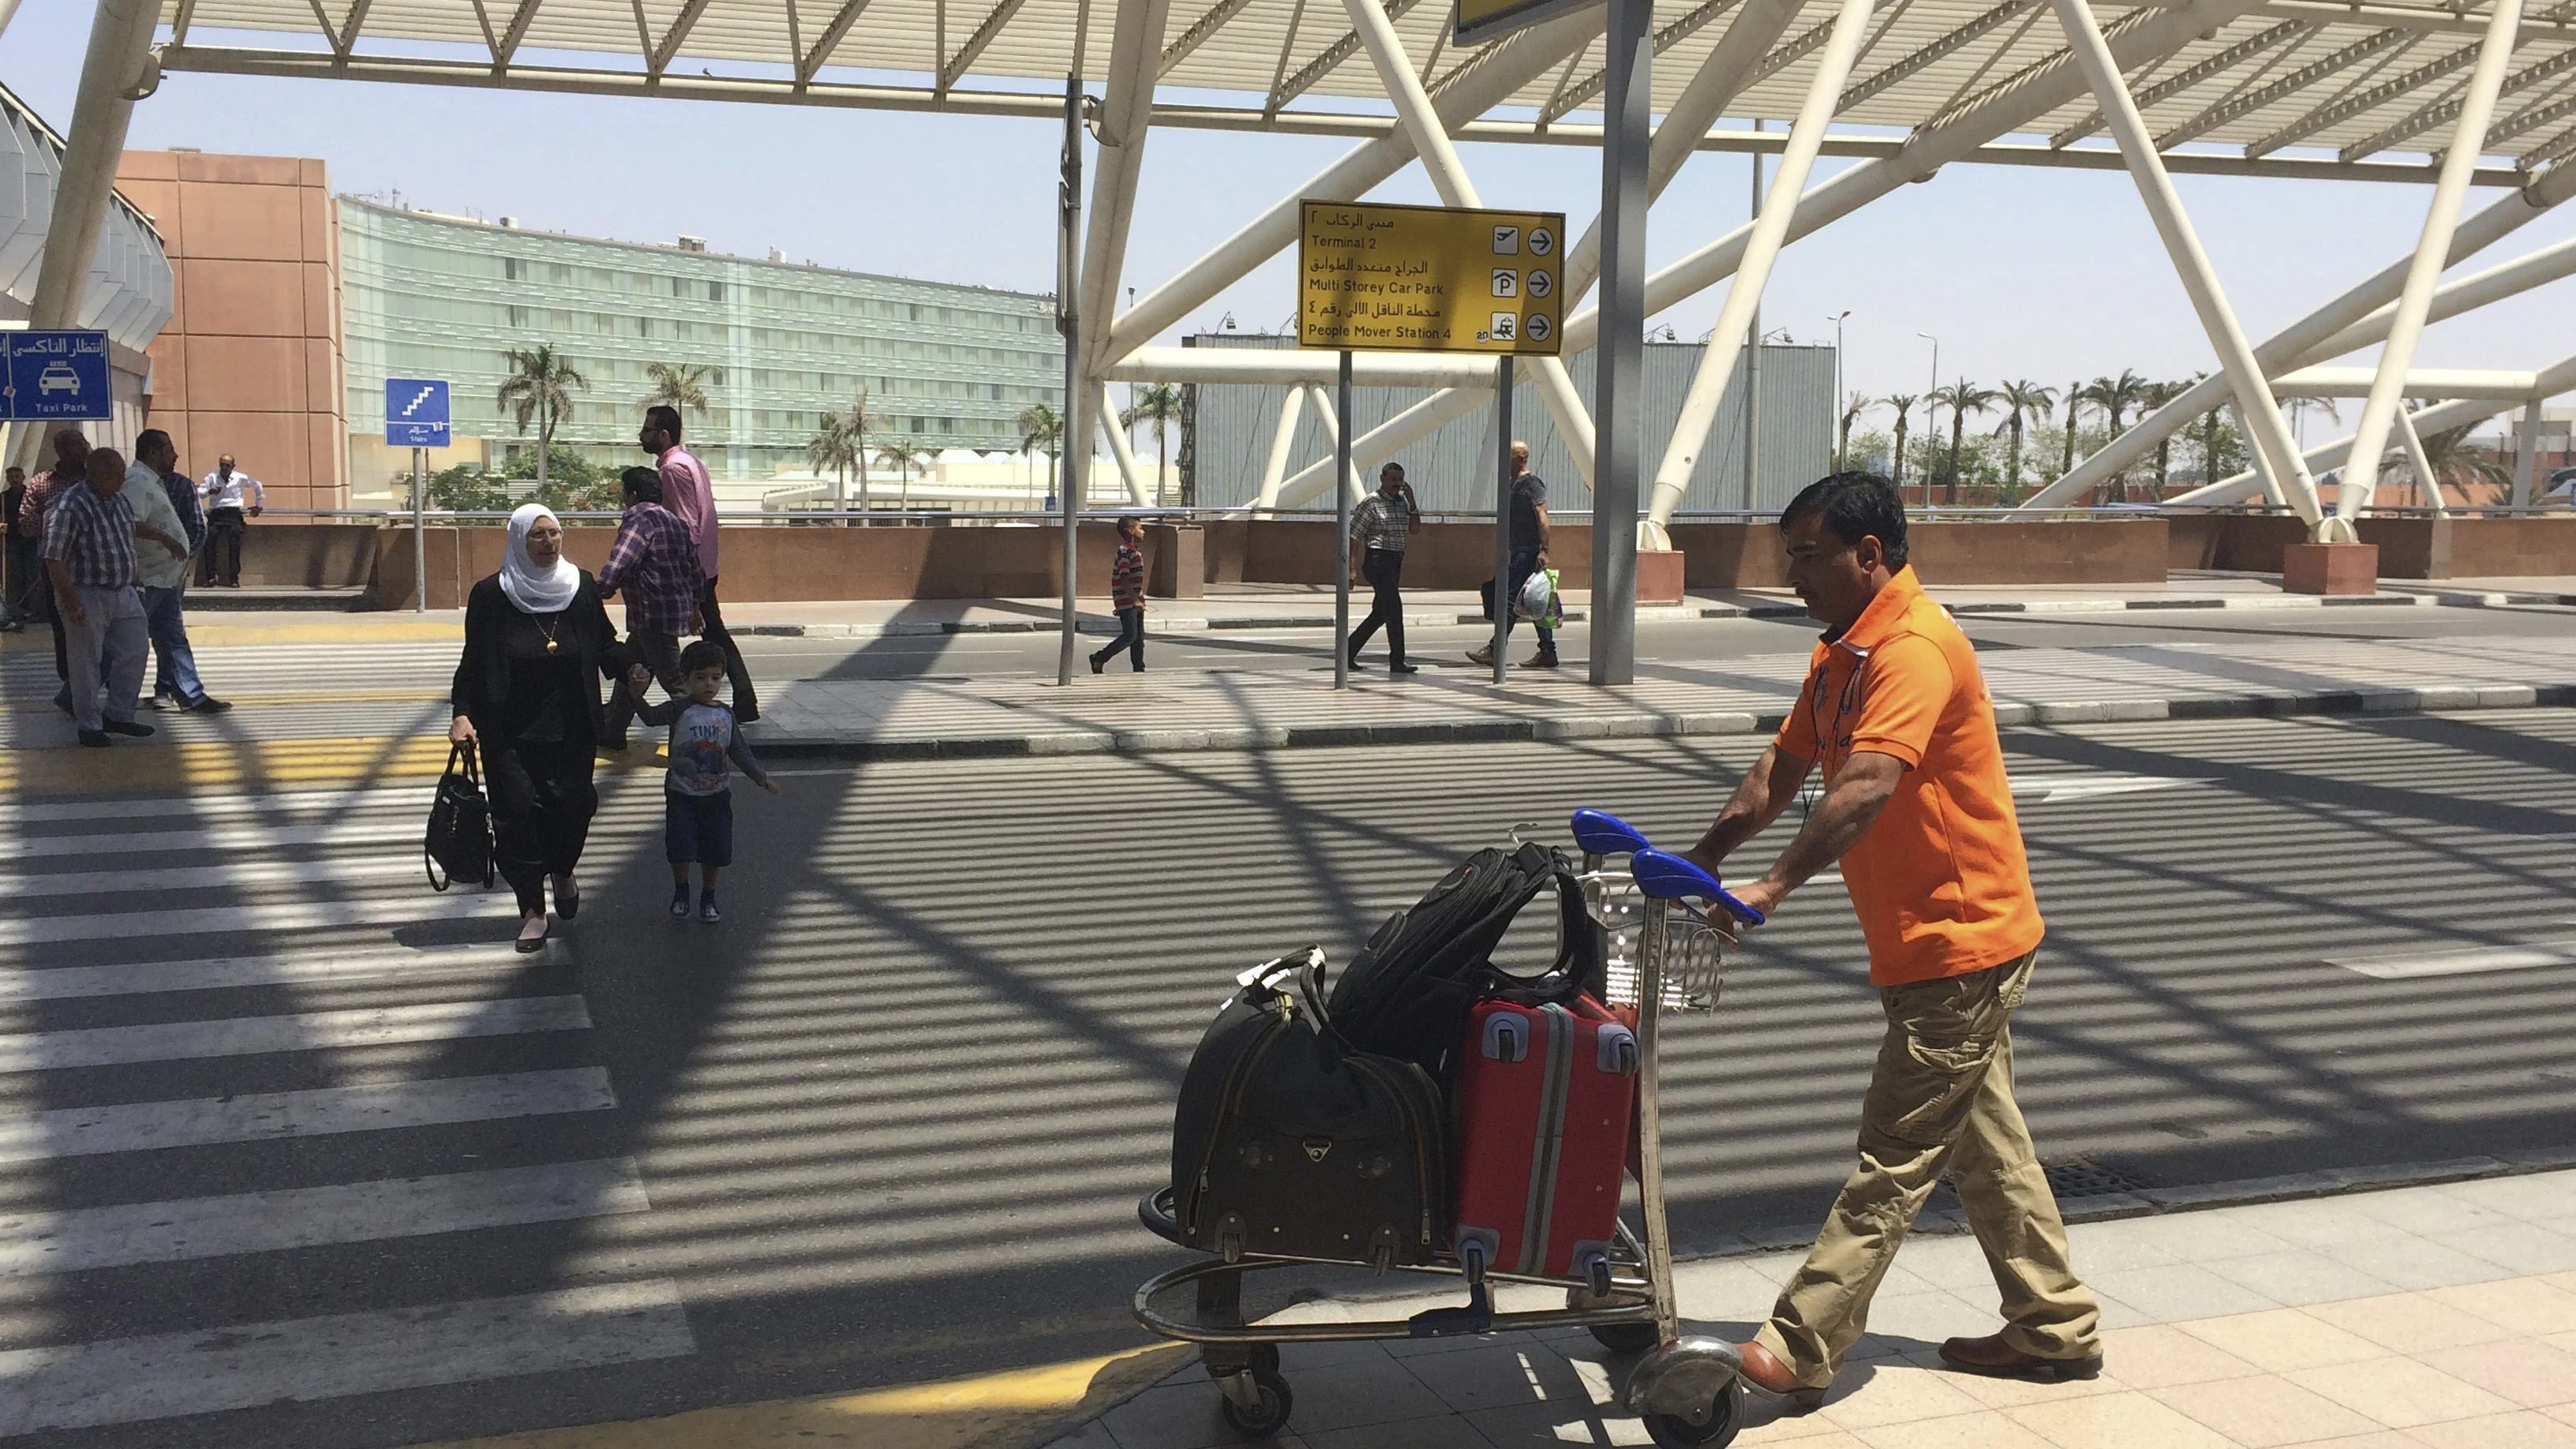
(551, 645)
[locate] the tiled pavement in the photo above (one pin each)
(2431, 1317)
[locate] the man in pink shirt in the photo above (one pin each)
(688, 492)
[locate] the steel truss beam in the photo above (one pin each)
(1332, 58)
(2359, 318)
(2441, 218)
(2444, 111)
(2236, 107)
(2007, 106)
(2192, 75)
(1903, 70)
(1201, 31)
(1571, 97)
(513, 36)
(812, 61)
(2344, 108)
(658, 59)
(1707, 392)
(985, 34)
(2560, 104)
(2254, 400)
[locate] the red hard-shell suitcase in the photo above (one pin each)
(1546, 1095)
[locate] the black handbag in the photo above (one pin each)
(459, 841)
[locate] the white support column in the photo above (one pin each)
(1449, 177)
(2459, 162)
(1125, 114)
(1753, 274)
(2422, 464)
(2526, 478)
(1274, 471)
(2272, 493)
(2010, 106)
(2338, 327)
(1329, 418)
(1123, 448)
(2146, 166)
(120, 46)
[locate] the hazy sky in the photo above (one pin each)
(2020, 272)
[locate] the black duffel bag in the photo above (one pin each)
(1286, 1142)
(1408, 992)
(459, 840)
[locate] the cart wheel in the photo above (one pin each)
(1266, 1417)
(1672, 1431)
(1616, 1337)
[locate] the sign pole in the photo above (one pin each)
(1342, 531)
(1503, 481)
(1068, 323)
(1629, 62)
(419, 539)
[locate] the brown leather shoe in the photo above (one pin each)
(1764, 1371)
(1995, 1358)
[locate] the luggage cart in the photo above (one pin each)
(1661, 955)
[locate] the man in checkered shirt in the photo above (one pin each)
(654, 563)
(1378, 529)
(89, 555)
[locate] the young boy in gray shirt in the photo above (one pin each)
(697, 794)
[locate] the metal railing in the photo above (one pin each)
(945, 518)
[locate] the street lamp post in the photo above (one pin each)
(1931, 411)
(1840, 402)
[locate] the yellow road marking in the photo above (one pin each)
(355, 696)
(1007, 1410)
(247, 764)
(208, 632)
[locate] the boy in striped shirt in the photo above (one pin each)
(1127, 595)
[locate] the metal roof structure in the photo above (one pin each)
(2308, 85)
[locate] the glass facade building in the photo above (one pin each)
(429, 295)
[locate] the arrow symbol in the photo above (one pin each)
(414, 405)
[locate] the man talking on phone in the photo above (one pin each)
(1917, 810)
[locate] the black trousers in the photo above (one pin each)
(746, 704)
(1131, 637)
(542, 801)
(1384, 570)
(657, 652)
(222, 563)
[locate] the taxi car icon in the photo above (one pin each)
(57, 377)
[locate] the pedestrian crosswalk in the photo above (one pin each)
(236, 1029)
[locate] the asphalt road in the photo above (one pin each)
(297, 1152)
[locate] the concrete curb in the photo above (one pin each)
(1659, 614)
(1637, 724)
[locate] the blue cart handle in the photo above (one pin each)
(1601, 833)
(1665, 876)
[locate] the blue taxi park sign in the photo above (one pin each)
(56, 377)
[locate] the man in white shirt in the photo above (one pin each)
(228, 494)
(161, 569)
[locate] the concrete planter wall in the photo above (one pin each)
(2409, 548)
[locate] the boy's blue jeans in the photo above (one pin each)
(1131, 637)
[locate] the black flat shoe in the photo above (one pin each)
(567, 903)
(527, 945)
(127, 728)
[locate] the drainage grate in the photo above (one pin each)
(2075, 1177)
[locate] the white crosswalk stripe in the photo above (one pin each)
(181, 980)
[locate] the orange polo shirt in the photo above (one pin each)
(1940, 880)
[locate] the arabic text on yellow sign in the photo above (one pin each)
(1430, 279)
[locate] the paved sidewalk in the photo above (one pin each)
(2427, 1317)
(1213, 710)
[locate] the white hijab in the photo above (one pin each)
(535, 590)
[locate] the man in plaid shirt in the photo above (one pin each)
(89, 554)
(654, 563)
(1378, 529)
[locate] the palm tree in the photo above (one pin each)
(1161, 406)
(1041, 428)
(2152, 397)
(2115, 396)
(2021, 399)
(539, 388)
(2459, 464)
(834, 448)
(677, 385)
(864, 424)
(1964, 397)
(901, 457)
(2210, 422)
(1853, 407)
(2074, 395)
(1903, 403)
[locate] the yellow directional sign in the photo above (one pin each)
(1430, 279)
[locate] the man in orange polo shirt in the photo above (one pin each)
(1917, 809)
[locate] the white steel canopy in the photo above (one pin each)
(2307, 86)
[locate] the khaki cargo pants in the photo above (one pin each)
(1940, 1100)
